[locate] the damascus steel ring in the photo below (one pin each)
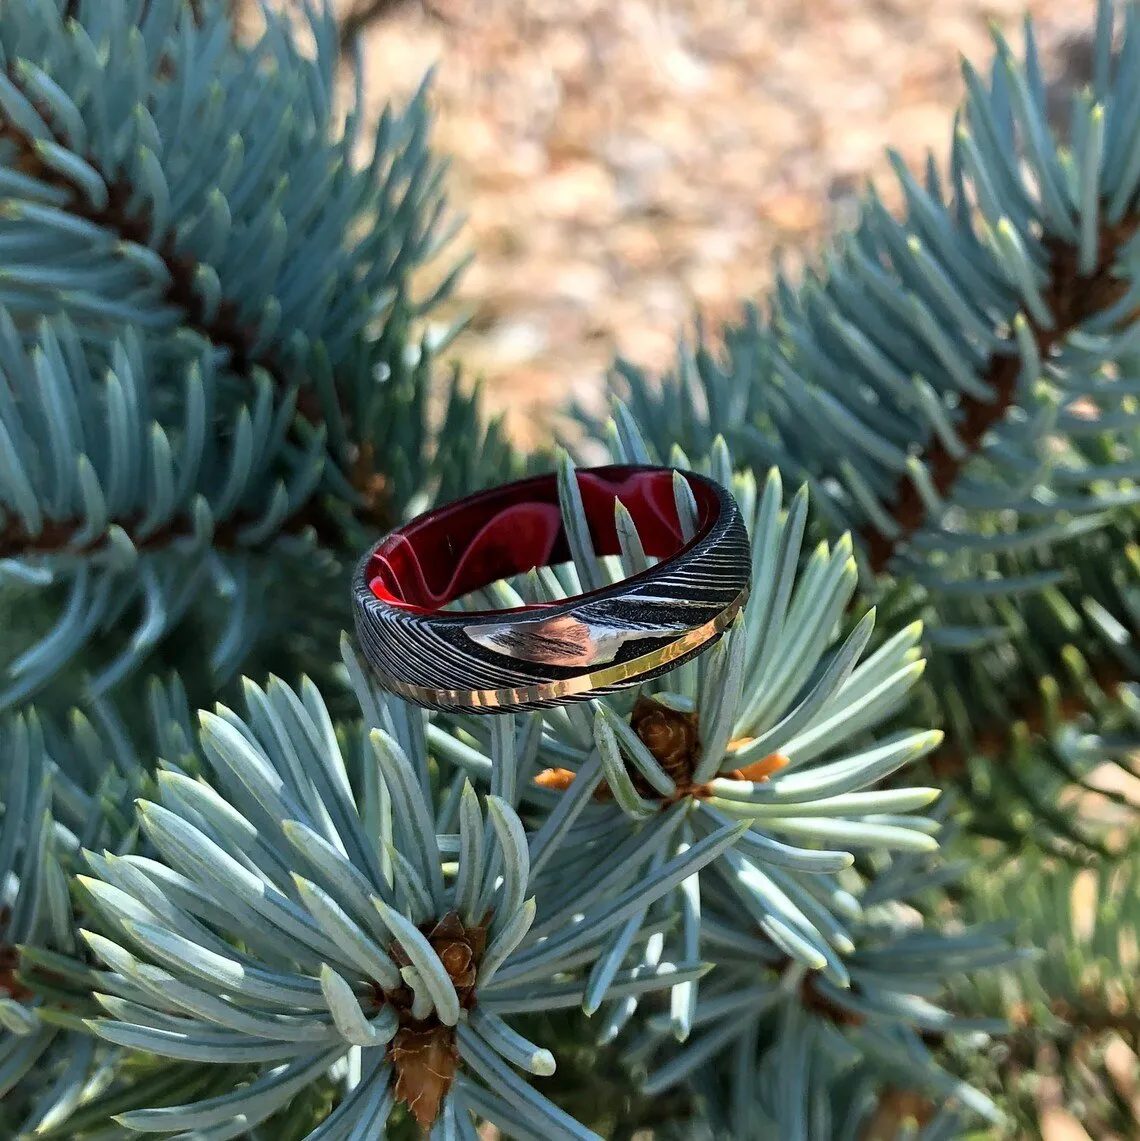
(559, 652)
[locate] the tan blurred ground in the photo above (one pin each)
(621, 163)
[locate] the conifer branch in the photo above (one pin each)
(224, 328)
(950, 760)
(1072, 298)
(1079, 1021)
(55, 537)
(71, 10)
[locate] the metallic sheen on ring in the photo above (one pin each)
(548, 653)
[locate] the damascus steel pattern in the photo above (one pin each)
(551, 653)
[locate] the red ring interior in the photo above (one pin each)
(445, 554)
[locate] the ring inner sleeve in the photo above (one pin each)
(506, 531)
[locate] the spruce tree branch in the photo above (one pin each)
(1095, 1019)
(71, 10)
(1072, 298)
(225, 328)
(55, 537)
(1075, 1026)
(950, 760)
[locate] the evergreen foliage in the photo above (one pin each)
(973, 363)
(730, 904)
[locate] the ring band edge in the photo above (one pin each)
(569, 688)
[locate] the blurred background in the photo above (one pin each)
(625, 163)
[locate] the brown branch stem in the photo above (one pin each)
(56, 536)
(224, 328)
(1072, 298)
(950, 760)
(1082, 1021)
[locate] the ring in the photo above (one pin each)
(549, 653)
